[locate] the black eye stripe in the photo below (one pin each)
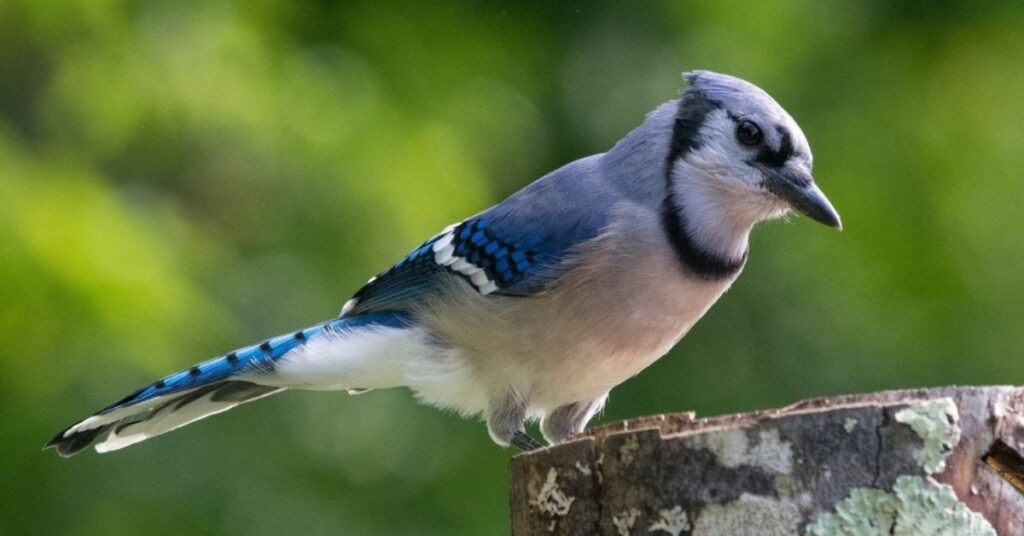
(777, 158)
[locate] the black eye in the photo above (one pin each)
(749, 134)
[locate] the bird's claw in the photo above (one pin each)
(522, 441)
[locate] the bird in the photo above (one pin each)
(535, 308)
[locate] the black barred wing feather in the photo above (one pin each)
(472, 250)
(475, 251)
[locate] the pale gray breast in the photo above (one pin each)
(624, 303)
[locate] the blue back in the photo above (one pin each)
(518, 244)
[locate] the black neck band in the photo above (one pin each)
(694, 109)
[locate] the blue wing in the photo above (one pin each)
(513, 249)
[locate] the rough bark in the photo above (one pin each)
(930, 461)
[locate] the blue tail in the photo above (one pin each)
(205, 389)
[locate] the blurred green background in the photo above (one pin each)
(181, 178)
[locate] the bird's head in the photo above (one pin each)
(736, 152)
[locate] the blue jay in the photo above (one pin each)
(538, 306)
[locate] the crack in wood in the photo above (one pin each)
(1006, 461)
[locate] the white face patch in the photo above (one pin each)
(720, 155)
(717, 181)
(719, 191)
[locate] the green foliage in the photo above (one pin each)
(181, 178)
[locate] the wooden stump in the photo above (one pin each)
(922, 462)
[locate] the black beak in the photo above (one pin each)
(798, 189)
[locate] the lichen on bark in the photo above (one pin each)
(898, 462)
(916, 506)
(935, 422)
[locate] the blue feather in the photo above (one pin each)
(250, 359)
(225, 379)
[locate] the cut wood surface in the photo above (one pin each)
(919, 462)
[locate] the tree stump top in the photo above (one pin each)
(927, 461)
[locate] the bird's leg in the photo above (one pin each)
(506, 419)
(570, 420)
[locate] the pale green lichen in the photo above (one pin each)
(750, 514)
(934, 421)
(551, 500)
(624, 522)
(916, 506)
(733, 449)
(849, 424)
(673, 521)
